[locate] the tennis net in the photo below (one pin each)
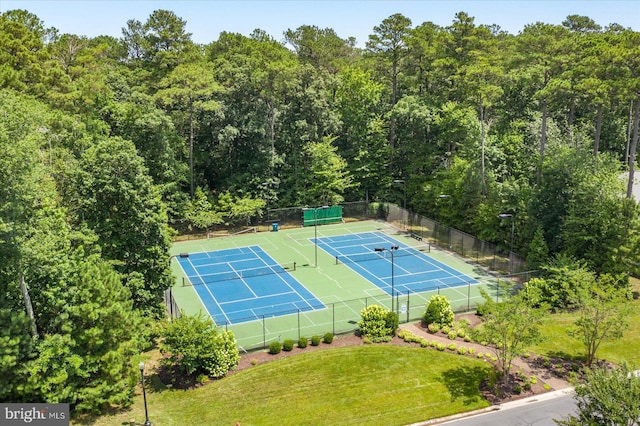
(382, 254)
(239, 274)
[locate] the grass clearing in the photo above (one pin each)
(359, 385)
(558, 343)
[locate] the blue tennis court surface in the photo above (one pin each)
(410, 269)
(245, 284)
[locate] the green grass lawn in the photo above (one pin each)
(558, 343)
(360, 385)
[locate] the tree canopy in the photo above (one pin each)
(109, 144)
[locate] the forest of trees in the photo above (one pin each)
(108, 144)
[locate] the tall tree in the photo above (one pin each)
(191, 88)
(117, 199)
(388, 42)
(327, 178)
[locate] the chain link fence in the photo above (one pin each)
(342, 317)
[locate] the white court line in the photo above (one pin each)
(208, 289)
(242, 279)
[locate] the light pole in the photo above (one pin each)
(315, 229)
(404, 197)
(144, 395)
(183, 256)
(513, 221)
(391, 249)
(442, 197)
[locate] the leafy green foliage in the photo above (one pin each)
(17, 347)
(439, 311)
(327, 337)
(377, 322)
(511, 326)
(603, 310)
(275, 347)
(287, 345)
(193, 345)
(315, 340)
(562, 280)
(89, 364)
(606, 397)
(302, 342)
(118, 201)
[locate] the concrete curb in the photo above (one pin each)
(500, 407)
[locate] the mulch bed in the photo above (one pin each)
(518, 386)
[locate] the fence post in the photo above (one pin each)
(298, 323)
(264, 334)
(408, 305)
(333, 319)
(469, 297)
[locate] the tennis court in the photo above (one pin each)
(390, 264)
(248, 284)
(244, 284)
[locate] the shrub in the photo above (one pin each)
(202, 379)
(517, 389)
(467, 338)
(196, 346)
(403, 334)
(302, 342)
(462, 350)
(315, 340)
(274, 347)
(546, 387)
(377, 322)
(472, 351)
(439, 310)
(328, 337)
(452, 347)
(440, 346)
(445, 329)
(393, 322)
(433, 328)
(366, 340)
(452, 335)
(534, 380)
(461, 332)
(287, 345)
(424, 343)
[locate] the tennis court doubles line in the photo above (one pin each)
(392, 265)
(245, 284)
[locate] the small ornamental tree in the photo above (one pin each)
(195, 345)
(606, 397)
(510, 327)
(439, 311)
(602, 314)
(376, 323)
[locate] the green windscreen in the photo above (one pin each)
(332, 214)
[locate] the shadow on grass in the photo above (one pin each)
(464, 382)
(89, 419)
(566, 356)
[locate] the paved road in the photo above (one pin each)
(531, 412)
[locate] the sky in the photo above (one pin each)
(206, 19)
